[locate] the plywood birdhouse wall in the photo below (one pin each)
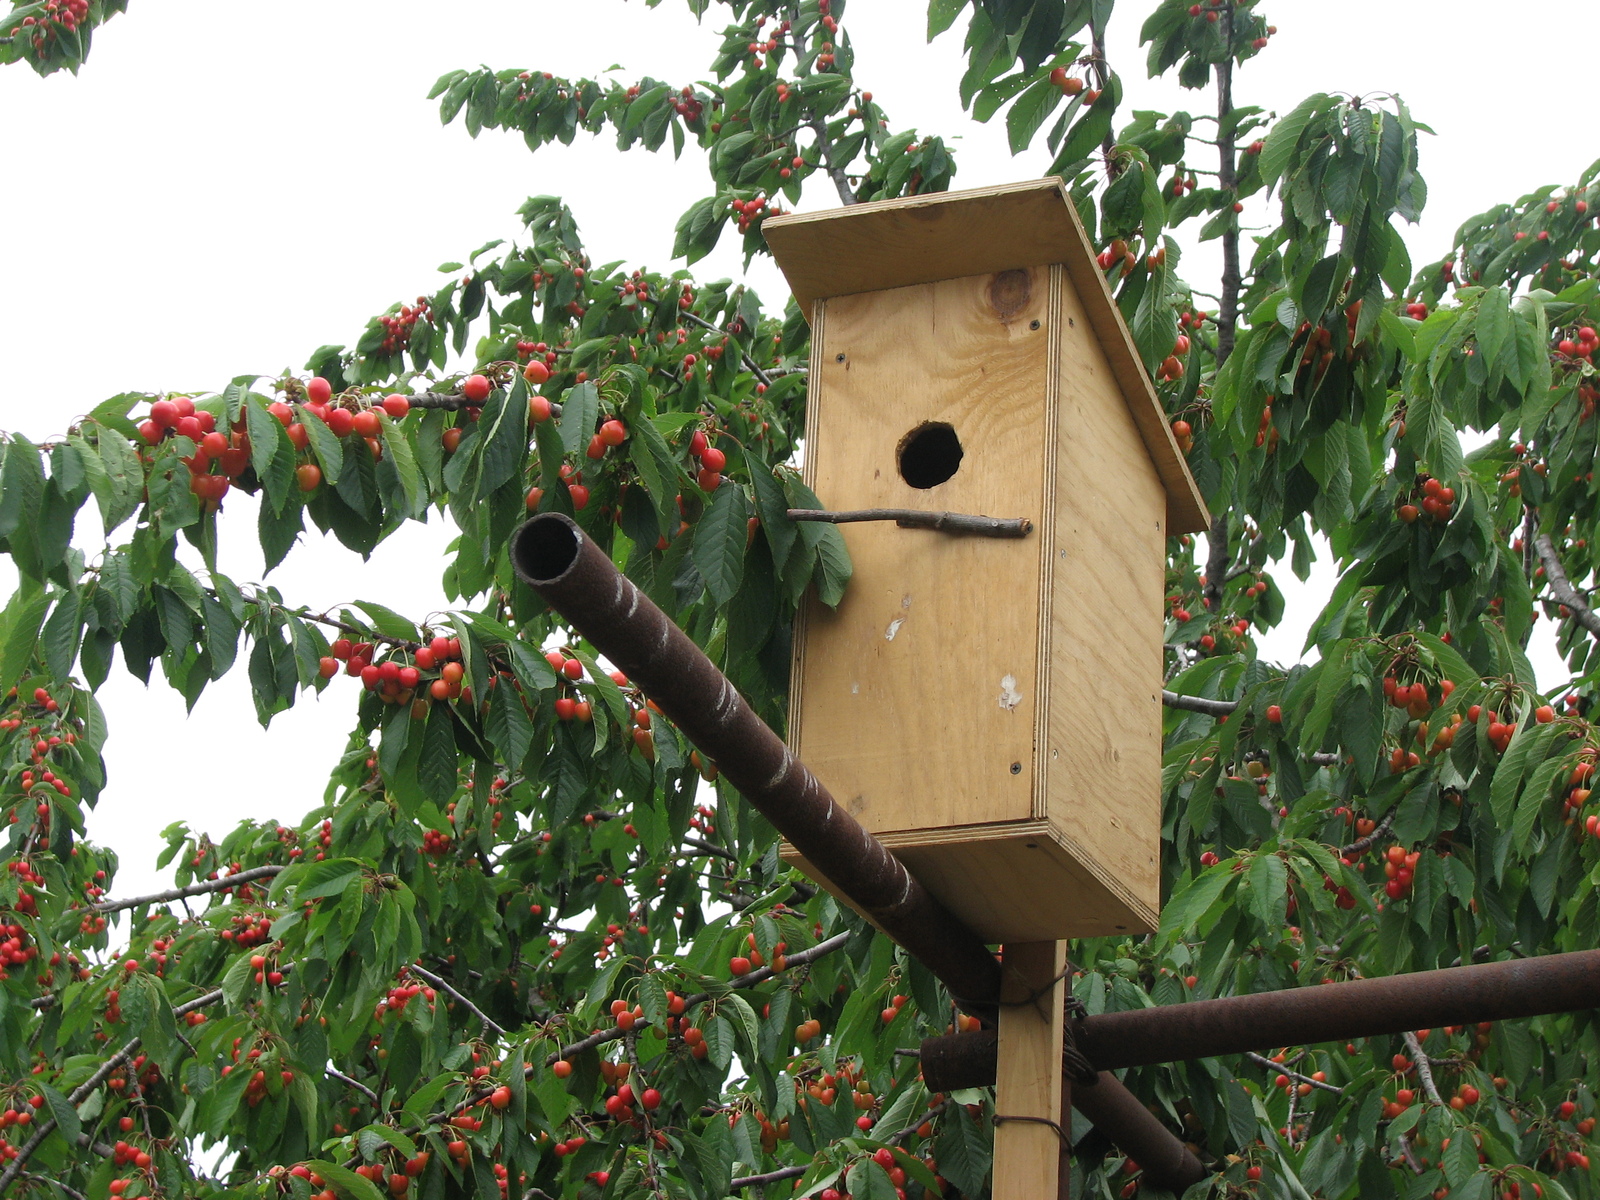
(989, 708)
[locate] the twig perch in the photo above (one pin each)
(911, 518)
(1199, 704)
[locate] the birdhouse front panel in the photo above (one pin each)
(918, 700)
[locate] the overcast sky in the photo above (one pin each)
(227, 187)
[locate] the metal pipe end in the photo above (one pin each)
(543, 549)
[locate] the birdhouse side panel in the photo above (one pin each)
(916, 702)
(1103, 756)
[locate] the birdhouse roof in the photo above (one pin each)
(949, 235)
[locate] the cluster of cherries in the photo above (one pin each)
(395, 681)
(248, 929)
(1171, 367)
(753, 211)
(59, 16)
(228, 453)
(1436, 501)
(397, 329)
(1070, 85)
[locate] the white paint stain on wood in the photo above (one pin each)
(1009, 696)
(894, 625)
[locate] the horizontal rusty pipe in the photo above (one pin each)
(552, 555)
(967, 1060)
(560, 562)
(1500, 991)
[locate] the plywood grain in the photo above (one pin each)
(1102, 753)
(1028, 1083)
(916, 702)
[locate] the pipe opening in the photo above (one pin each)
(544, 548)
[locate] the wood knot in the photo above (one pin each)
(1009, 293)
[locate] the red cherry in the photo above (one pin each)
(475, 388)
(698, 443)
(340, 420)
(536, 373)
(613, 433)
(164, 413)
(308, 476)
(579, 494)
(572, 668)
(538, 409)
(318, 390)
(366, 423)
(713, 459)
(708, 480)
(396, 406)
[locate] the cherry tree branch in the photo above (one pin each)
(1556, 575)
(490, 1025)
(1262, 1060)
(1362, 845)
(696, 319)
(1424, 1067)
(356, 1084)
(193, 889)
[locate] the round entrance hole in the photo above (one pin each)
(929, 454)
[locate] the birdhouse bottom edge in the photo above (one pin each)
(1021, 881)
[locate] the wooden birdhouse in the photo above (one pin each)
(988, 707)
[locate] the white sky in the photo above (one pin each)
(226, 187)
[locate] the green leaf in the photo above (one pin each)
(388, 622)
(398, 447)
(580, 409)
(61, 1109)
(123, 474)
(1527, 749)
(1194, 900)
(21, 488)
(1285, 137)
(1029, 112)
(325, 444)
(62, 631)
(438, 767)
(19, 624)
(719, 542)
(357, 1187)
(942, 14)
(1269, 878)
(503, 434)
(1493, 326)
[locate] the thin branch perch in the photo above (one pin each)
(1199, 704)
(439, 981)
(911, 518)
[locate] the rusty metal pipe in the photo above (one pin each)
(1500, 991)
(1122, 1117)
(552, 555)
(558, 560)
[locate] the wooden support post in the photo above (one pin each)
(1028, 1154)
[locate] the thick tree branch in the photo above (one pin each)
(1556, 575)
(193, 889)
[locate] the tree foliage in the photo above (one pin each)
(527, 944)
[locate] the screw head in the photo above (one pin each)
(1016, 768)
